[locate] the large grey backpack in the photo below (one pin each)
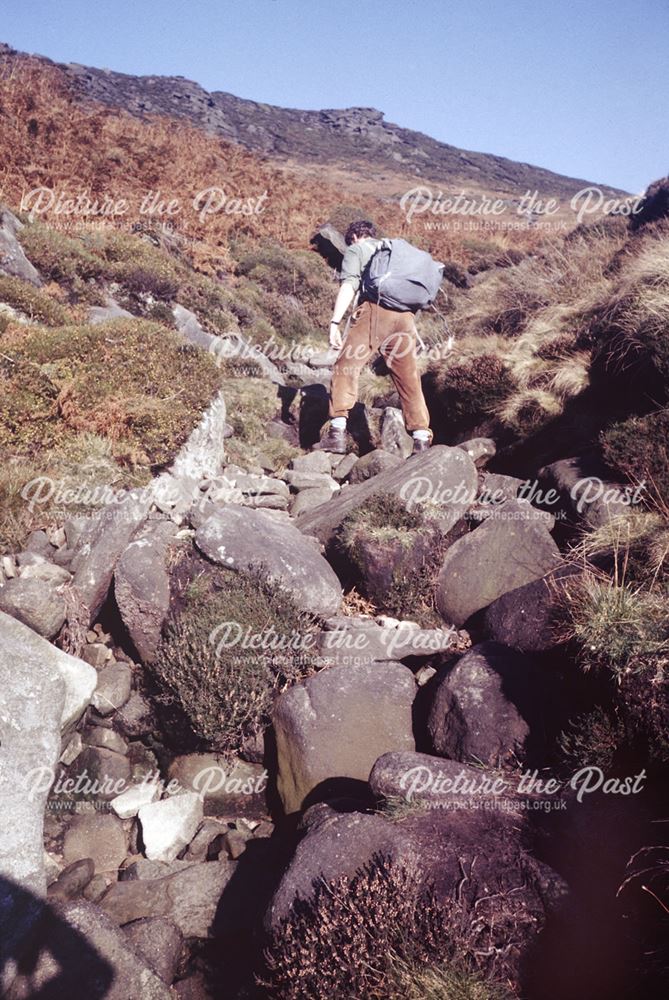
(401, 277)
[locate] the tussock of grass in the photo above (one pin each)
(73, 478)
(384, 524)
(413, 981)
(528, 411)
(382, 516)
(636, 543)
(570, 376)
(629, 326)
(616, 625)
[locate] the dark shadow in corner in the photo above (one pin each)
(314, 402)
(31, 928)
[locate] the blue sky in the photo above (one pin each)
(578, 86)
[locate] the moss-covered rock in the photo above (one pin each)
(131, 381)
(395, 553)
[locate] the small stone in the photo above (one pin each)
(169, 825)
(101, 736)
(394, 436)
(198, 849)
(72, 750)
(26, 558)
(38, 542)
(387, 622)
(424, 675)
(35, 603)
(95, 653)
(96, 889)
(342, 469)
(235, 844)
(135, 718)
(99, 837)
(63, 557)
(143, 762)
(72, 880)
(480, 450)
(268, 502)
(110, 770)
(57, 537)
(128, 803)
(307, 499)
(113, 690)
(47, 573)
(309, 480)
(8, 567)
(52, 867)
(158, 940)
(315, 461)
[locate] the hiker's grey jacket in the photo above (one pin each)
(356, 259)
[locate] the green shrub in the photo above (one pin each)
(32, 302)
(161, 284)
(639, 449)
(216, 307)
(462, 394)
(375, 936)
(251, 404)
(226, 691)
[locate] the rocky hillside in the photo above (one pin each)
(278, 724)
(353, 138)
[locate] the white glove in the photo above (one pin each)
(336, 340)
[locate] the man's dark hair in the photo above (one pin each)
(360, 229)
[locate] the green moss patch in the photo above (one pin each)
(131, 381)
(33, 302)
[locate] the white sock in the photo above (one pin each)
(421, 435)
(338, 423)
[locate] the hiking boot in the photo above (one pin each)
(420, 445)
(334, 441)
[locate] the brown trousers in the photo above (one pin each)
(393, 335)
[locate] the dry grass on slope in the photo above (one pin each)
(52, 138)
(531, 319)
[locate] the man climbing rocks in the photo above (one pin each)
(372, 328)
